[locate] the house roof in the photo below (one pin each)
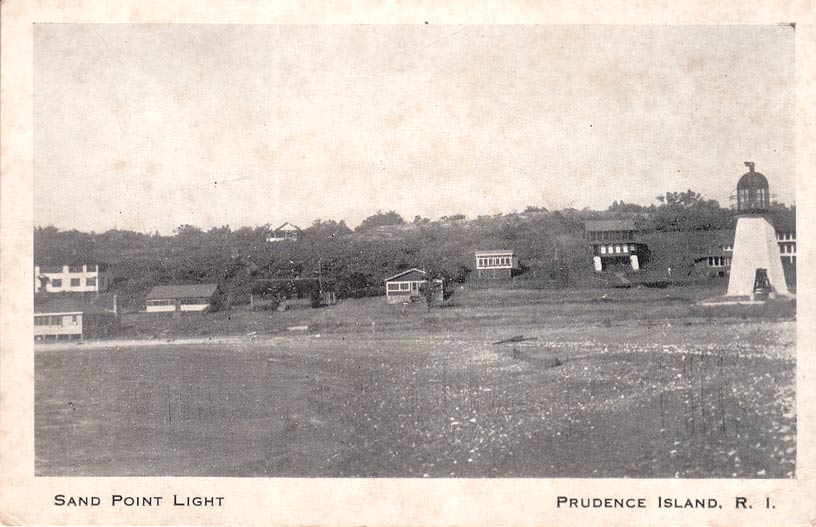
(74, 303)
(609, 225)
(495, 252)
(70, 262)
(403, 273)
(288, 227)
(181, 291)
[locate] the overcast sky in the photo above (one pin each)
(147, 127)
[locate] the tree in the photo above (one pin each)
(685, 199)
(431, 290)
(187, 230)
(222, 231)
(689, 211)
(380, 219)
(622, 206)
(455, 217)
(328, 229)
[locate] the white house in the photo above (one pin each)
(74, 318)
(496, 264)
(407, 286)
(286, 232)
(78, 278)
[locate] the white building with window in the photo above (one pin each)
(194, 297)
(496, 264)
(286, 232)
(77, 278)
(74, 318)
(787, 245)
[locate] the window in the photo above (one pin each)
(91, 282)
(91, 268)
(393, 287)
(74, 282)
(626, 248)
(195, 301)
(74, 319)
(51, 269)
(404, 286)
(55, 321)
(40, 321)
(74, 268)
(56, 282)
(160, 302)
(603, 249)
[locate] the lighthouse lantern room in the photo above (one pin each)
(756, 250)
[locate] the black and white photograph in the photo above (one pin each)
(414, 251)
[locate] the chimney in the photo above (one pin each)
(750, 165)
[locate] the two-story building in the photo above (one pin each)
(615, 242)
(496, 264)
(74, 278)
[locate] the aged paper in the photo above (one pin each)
(241, 114)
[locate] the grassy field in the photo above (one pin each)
(646, 384)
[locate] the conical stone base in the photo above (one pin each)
(755, 247)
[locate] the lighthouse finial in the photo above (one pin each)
(750, 165)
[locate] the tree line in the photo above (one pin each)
(550, 245)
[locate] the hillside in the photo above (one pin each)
(550, 246)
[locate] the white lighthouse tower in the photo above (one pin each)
(756, 251)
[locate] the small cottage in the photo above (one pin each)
(408, 286)
(74, 317)
(168, 298)
(286, 232)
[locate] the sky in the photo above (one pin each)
(148, 127)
